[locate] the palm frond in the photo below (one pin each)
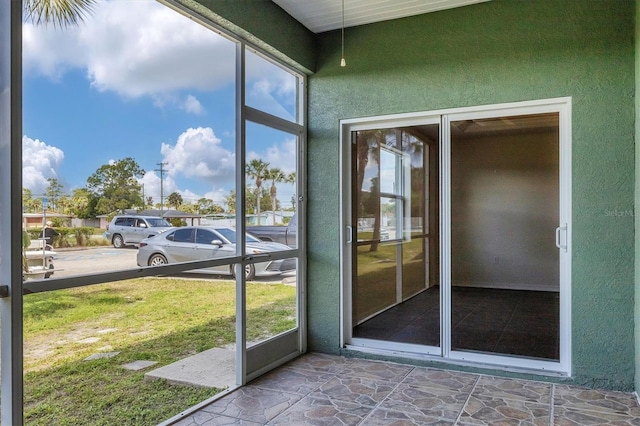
(60, 13)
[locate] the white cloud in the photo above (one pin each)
(198, 153)
(151, 186)
(39, 162)
(192, 105)
(270, 88)
(218, 196)
(282, 155)
(134, 48)
(151, 182)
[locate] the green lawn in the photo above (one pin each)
(157, 319)
(375, 287)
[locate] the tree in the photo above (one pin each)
(249, 201)
(30, 204)
(207, 206)
(256, 169)
(174, 200)
(368, 144)
(83, 203)
(61, 13)
(275, 175)
(189, 207)
(115, 185)
(54, 191)
(291, 178)
(231, 201)
(63, 204)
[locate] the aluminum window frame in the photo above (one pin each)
(12, 287)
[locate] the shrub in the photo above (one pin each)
(176, 221)
(83, 235)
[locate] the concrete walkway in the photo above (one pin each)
(213, 368)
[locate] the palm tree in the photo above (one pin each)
(291, 178)
(275, 175)
(61, 13)
(368, 144)
(256, 169)
(174, 199)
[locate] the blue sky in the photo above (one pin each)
(139, 80)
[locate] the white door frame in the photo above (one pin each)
(563, 235)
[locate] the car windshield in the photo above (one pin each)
(230, 235)
(158, 222)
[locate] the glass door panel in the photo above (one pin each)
(271, 88)
(271, 247)
(504, 214)
(271, 201)
(394, 187)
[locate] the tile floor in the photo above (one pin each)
(318, 389)
(483, 319)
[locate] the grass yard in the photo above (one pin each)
(375, 287)
(156, 319)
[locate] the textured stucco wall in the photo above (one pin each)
(637, 200)
(500, 51)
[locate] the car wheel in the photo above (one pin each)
(157, 259)
(48, 274)
(117, 241)
(249, 272)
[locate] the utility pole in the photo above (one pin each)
(161, 170)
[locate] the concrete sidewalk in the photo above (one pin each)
(213, 368)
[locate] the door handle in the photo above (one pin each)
(562, 229)
(349, 234)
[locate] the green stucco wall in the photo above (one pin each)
(500, 51)
(264, 24)
(637, 200)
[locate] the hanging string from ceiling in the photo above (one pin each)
(343, 62)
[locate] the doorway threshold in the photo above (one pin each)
(486, 364)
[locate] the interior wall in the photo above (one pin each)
(489, 53)
(504, 194)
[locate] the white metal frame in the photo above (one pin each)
(444, 353)
(10, 210)
(11, 214)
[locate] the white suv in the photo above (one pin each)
(131, 229)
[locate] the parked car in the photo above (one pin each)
(191, 243)
(277, 233)
(131, 229)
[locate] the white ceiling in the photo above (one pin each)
(325, 15)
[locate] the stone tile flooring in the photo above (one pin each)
(318, 389)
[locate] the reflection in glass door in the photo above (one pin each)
(395, 282)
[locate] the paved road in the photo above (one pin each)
(106, 258)
(93, 260)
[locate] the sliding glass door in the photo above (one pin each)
(505, 266)
(395, 253)
(456, 235)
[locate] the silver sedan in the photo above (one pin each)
(192, 243)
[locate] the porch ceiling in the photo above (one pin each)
(325, 15)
